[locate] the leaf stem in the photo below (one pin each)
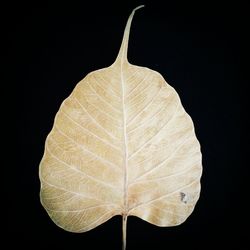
(124, 231)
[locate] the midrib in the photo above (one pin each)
(125, 187)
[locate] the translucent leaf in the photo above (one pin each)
(121, 144)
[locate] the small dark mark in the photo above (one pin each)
(183, 197)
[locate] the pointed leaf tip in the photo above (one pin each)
(139, 7)
(122, 55)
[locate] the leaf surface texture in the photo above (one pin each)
(121, 144)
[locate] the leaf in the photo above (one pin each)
(121, 144)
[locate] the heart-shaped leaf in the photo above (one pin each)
(121, 144)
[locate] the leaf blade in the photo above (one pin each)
(121, 144)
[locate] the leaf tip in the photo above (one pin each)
(139, 7)
(122, 55)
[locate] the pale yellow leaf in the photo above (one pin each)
(121, 144)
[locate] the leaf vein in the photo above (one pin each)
(89, 132)
(163, 196)
(138, 84)
(144, 108)
(97, 157)
(164, 161)
(77, 170)
(92, 118)
(100, 97)
(102, 79)
(144, 144)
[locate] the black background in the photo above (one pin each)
(199, 49)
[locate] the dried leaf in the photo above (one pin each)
(121, 144)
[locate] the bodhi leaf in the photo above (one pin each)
(121, 144)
